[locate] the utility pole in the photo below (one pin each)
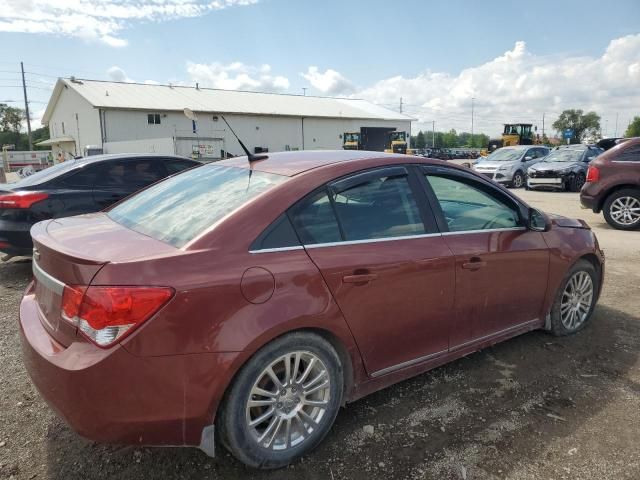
(543, 125)
(433, 134)
(26, 107)
(400, 104)
(472, 100)
(304, 91)
(616, 133)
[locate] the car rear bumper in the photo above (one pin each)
(111, 395)
(15, 238)
(589, 200)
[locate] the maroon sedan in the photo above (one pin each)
(258, 298)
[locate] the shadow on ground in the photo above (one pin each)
(492, 411)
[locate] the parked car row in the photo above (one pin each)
(608, 181)
(75, 187)
(260, 297)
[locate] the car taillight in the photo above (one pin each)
(107, 314)
(593, 174)
(21, 199)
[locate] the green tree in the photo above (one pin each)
(634, 128)
(581, 123)
(420, 140)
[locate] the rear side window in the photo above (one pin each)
(83, 178)
(314, 219)
(630, 154)
(179, 209)
(130, 174)
(366, 206)
(175, 166)
(379, 205)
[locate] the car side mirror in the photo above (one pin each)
(527, 158)
(538, 221)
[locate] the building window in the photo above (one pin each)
(153, 119)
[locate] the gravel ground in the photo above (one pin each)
(535, 407)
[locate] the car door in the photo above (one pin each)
(389, 270)
(118, 179)
(501, 266)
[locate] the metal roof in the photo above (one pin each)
(137, 96)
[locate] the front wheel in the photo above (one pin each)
(622, 209)
(577, 182)
(575, 300)
(518, 180)
(283, 402)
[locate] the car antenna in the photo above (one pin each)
(252, 158)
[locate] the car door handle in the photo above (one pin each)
(474, 264)
(359, 278)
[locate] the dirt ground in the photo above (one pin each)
(535, 407)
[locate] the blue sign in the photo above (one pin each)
(567, 133)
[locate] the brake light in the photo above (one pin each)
(107, 314)
(593, 174)
(22, 199)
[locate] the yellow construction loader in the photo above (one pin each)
(514, 134)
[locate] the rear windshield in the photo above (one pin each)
(180, 208)
(47, 174)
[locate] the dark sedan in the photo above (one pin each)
(565, 168)
(251, 301)
(75, 187)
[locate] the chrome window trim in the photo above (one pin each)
(277, 249)
(47, 280)
(371, 240)
(490, 230)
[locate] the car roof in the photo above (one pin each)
(296, 162)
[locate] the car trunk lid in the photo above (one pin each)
(71, 251)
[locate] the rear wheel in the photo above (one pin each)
(622, 209)
(283, 402)
(518, 180)
(575, 300)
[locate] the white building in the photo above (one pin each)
(129, 117)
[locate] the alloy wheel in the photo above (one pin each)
(289, 401)
(518, 181)
(625, 210)
(576, 300)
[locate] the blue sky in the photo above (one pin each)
(379, 50)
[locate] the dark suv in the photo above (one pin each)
(613, 185)
(74, 187)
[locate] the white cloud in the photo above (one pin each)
(117, 74)
(521, 86)
(100, 20)
(237, 76)
(328, 83)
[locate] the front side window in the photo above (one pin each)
(182, 207)
(468, 206)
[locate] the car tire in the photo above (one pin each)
(518, 180)
(575, 300)
(577, 182)
(298, 421)
(614, 209)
